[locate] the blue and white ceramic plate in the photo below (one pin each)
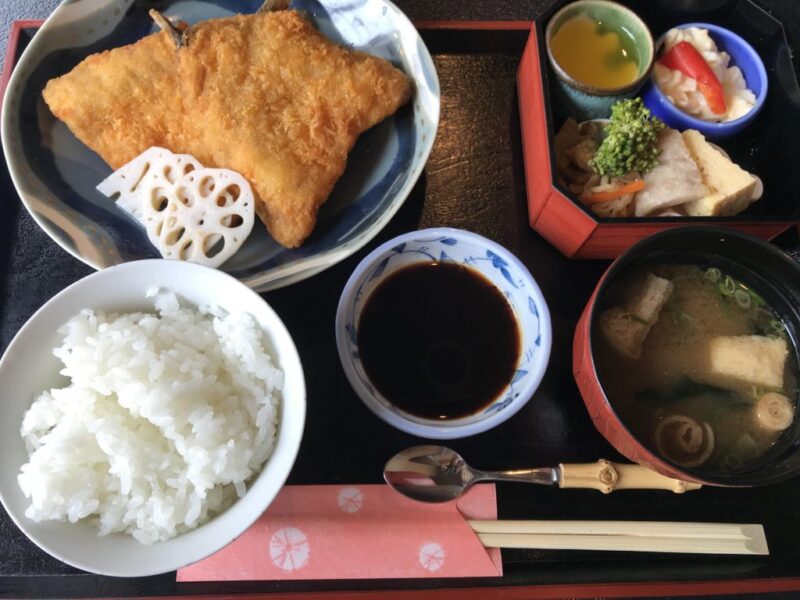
(496, 264)
(55, 174)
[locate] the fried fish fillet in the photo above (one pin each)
(266, 95)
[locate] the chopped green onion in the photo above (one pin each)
(754, 297)
(742, 299)
(763, 312)
(730, 285)
(758, 300)
(777, 326)
(727, 287)
(713, 274)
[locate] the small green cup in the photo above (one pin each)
(586, 101)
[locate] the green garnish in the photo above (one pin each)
(738, 294)
(630, 142)
(777, 327)
(742, 298)
(727, 286)
(713, 274)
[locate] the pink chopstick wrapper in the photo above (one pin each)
(357, 532)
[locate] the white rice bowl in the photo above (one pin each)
(165, 418)
(168, 433)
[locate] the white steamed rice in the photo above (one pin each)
(165, 419)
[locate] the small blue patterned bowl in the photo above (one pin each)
(492, 261)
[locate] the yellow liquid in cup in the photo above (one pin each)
(594, 55)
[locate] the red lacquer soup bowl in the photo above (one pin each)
(758, 264)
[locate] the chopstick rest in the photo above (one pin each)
(630, 536)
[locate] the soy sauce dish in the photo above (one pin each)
(443, 333)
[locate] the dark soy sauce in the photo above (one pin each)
(438, 340)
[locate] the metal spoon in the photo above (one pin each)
(439, 474)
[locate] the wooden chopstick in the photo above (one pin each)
(620, 543)
(635, 536)
(635, 528)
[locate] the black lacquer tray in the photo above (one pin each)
(474, 180)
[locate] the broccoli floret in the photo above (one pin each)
(630, 142)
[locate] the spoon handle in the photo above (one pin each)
(607, 477)
(545, 476)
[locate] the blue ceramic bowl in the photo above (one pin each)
(743, 56)
(492, 261)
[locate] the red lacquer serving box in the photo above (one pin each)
(765, 148)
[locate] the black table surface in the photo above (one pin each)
(473, 180)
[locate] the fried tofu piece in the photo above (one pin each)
(648, 296)
(626, 327)
(731, 188)
(265, 95)
(624, 332)
(740, 362)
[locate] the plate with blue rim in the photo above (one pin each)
(56, 175)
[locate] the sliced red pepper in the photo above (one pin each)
(685, 58)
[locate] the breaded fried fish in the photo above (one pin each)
(266, 95)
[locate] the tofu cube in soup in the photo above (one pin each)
(624, 331)
(626, 327)
(648, 296)
(743, 361)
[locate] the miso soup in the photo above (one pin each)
(697, 365)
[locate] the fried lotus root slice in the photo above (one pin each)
(203, 217)
(124, 184)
